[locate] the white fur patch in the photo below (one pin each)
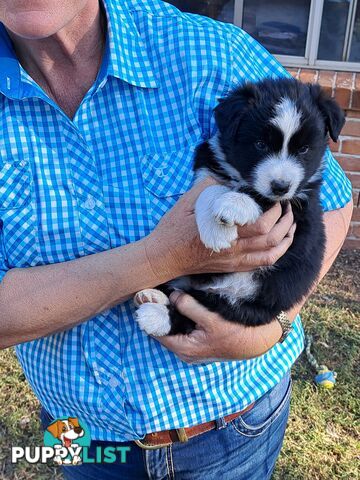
(277, 168)
(234, 286)
(288, 120)
(213, 235)
(281, 166)
(201, 174)
(154, 319)
(236, 208)
(220, 156)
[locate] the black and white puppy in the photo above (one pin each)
(269, 148)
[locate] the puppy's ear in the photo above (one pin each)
(74, 421)
(333, 115)
(230, 111)
(54, 428)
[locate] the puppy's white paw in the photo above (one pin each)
(154, 319)
(76, 460)
(212, 234)
(151, 295)
(236, 208)
(217, 237)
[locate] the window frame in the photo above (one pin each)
(309, 60)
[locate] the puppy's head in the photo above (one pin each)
(274, 133)
(66, 430)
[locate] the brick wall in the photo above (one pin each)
(345, 88)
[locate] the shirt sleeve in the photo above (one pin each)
(336, 189)
(252, 62)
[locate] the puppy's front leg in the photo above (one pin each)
(218, 211)
(236, 208)
(213, 234)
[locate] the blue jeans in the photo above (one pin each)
(243, 449)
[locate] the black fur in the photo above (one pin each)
(243, 119)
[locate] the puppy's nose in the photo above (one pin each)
(280, 187)
(77, 430)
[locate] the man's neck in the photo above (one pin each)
(74, 54)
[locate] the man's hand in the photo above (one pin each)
(174, 248)
(216, 338)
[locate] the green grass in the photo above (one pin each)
(322, 439)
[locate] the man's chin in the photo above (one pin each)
(32, 25)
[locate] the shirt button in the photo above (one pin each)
(160, 172)
(114, 382)
(102, 84)
(90, 203)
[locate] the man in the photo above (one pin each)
(102, 105)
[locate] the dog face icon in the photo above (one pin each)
(66, 431)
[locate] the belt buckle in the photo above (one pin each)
(150, 447)
(180, 432)
(182, 436)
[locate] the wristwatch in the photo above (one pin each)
(286, 325)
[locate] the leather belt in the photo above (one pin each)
(167, 437)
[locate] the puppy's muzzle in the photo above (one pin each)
(280, 187)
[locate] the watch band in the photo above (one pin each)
(286, 325)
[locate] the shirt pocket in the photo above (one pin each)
(166, 176)
(19, 223)
(15, 184)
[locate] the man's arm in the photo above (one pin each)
(39, 301)
(337, 224)
(216, 338)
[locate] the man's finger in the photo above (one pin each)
(188, 306)
(272, 255)
(272, 239)
(179, 344)
(263, 225)
(278, 251)
(280, 230)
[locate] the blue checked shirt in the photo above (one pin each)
(70, 188)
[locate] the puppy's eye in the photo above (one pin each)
(303, 149)
(64, 429)
(261, 146)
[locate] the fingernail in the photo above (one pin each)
(175, 295)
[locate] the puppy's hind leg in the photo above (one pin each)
(152, 314)
(156, 316)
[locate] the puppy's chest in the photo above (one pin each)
(232, 286)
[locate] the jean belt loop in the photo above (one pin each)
(220, 423)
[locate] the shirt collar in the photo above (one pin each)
(9, 71)
(126, 53)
